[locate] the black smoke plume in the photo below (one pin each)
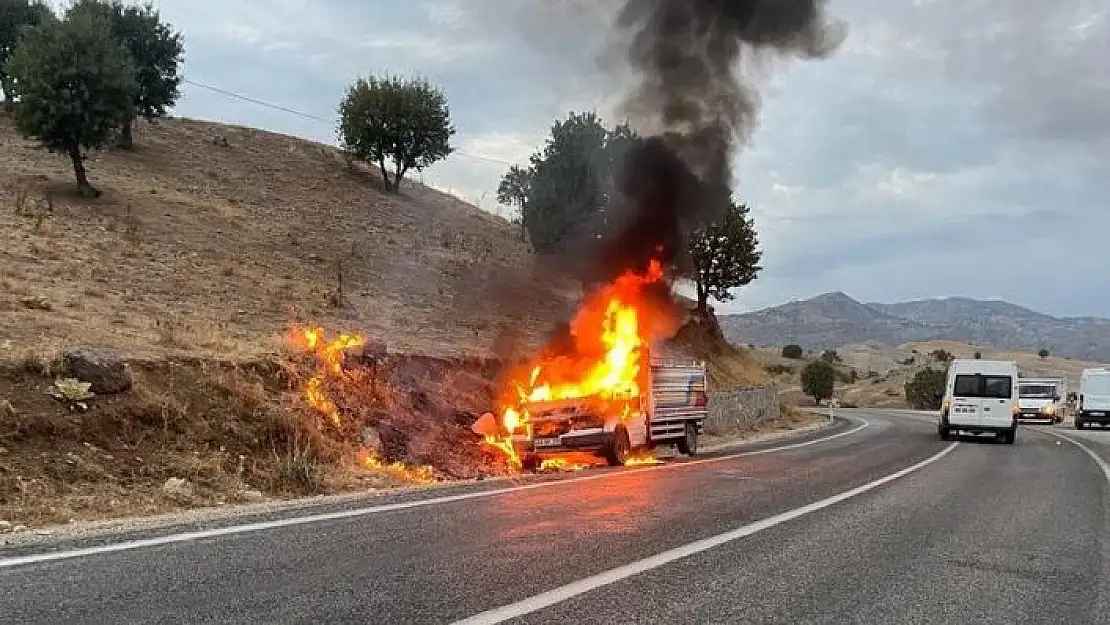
(689, 57)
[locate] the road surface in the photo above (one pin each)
(872, 521)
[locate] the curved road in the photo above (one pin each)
(872, 521)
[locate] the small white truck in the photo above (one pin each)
(980, 397)
(672, 411)
(1093, 405)
(1041, 399)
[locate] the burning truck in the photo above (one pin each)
(598, 389)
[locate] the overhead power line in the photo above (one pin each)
(291, 111)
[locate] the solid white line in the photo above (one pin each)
(562, 593)
(405, 505)
(1102, 464)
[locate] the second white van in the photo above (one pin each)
(1094, 398)
(980, 397)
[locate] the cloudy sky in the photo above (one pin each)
(950, 147)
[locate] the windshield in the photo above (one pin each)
(1096, 385)
(1037, 391)
(986, 386)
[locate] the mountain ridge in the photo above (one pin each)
(833, 319)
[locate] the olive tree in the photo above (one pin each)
(74, 84)
(156, 50)
(403, 121)
(725, 256)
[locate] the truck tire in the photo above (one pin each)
(688, 444)
(1009, 436)
(619, 448)
(1078, 423)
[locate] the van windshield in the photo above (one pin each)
(1096, 385)
(987, 386)
(1037, 391)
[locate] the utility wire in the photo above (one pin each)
(285, 109)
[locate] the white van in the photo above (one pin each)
(980, 396)
(1094, 398)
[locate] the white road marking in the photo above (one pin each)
(405, 505)
(562, 593)
(1102, 600)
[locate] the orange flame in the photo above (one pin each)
(329, 364)
(608, 362)
(329, 361)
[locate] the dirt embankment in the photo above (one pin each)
(196, 432)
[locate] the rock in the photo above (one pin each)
(106, 371)
(371, 438)
(5, 526)
(178, 487)
(252, 495)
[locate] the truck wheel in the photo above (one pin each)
(1009, 437)
(619, 447)
(688, 444)
(1079, 423)
(944, 433)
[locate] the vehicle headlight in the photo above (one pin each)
(1048, 409)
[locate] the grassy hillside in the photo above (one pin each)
(210, 248)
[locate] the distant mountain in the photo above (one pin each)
(835, 319)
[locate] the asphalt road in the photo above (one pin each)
(881, 523)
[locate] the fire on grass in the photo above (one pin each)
(329, 373)
(605, 363)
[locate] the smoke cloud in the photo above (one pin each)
(688, 57)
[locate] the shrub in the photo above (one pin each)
(779, 369)
(818, 380)
(926, 390)
(792, 351)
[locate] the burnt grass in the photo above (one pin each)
(230, 428)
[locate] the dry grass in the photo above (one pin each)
(206, 250)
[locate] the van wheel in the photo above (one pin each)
(688, 444)
(619, 448)
(1009, 437)
(944, 433)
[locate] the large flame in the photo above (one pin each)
(607, 364)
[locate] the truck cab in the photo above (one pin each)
(1093, 404)
(980, 397)
(1041, 399)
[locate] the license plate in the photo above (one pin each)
(548, 442)
(1098, 414)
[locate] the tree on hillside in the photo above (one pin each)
(570, 182)
(941, 355)
(513, 191)
(818, 379)
(792, 351)
(74, 84)
(926, 389)
(404, 121)
(156, 50)
(14, 16)
(978, 355)
(725, 256)
(1043, 353)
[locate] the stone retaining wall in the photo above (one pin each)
(738, 411)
